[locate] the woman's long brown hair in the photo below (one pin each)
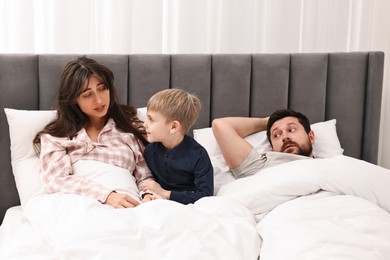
(70, 119)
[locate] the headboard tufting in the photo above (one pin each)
(344, 86)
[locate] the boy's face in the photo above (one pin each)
(156, 126)
(289, 136)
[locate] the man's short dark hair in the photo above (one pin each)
(282, 113)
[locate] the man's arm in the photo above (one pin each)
(230, 133)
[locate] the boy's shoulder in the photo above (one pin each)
(151, 147)
(192, 141)
(197, 146)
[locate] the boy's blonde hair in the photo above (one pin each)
(176, 104)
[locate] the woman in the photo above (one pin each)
(91, 125)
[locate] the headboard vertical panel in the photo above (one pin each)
(270, 79)
(50, 70)
(148, 73)
(119, 64)
(231, 76)
(192, 73)
(373, 106)
(307, 92)
(51, 67)
(18, 89)
(346, 98)
(18, 82)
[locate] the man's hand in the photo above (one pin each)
(120, 200)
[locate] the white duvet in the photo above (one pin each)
(336, 208)
(66, 226)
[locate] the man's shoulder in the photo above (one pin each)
(291, 156)
(275, 158)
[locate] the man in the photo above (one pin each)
(288, 132)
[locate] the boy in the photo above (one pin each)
(179, 164)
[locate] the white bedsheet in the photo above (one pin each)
(336, 208)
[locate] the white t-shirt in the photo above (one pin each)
(256, 161)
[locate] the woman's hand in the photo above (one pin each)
(120, 200)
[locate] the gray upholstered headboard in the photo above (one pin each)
(345, 86)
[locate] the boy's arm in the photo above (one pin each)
(203, 182)
(151, 187)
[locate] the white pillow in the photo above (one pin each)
(326, 142)
(326, 145)
(23, 126)
(141, 113)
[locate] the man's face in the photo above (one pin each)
(289, 136)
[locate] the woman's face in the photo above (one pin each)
(94, 99)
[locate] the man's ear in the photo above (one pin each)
(312, 137)
(175, 126)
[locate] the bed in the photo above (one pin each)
(334, 207)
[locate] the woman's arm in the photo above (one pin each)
(57, 172)
(141, 172)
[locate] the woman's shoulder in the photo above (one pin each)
(63, 141)
(49, 142)
(52, 138)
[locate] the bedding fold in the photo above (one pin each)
(335, 208)
(76, 227)
(341, 174)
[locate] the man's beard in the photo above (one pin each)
(305, 150)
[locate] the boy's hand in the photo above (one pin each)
(149, 197)
(155, 187)
(152, 185)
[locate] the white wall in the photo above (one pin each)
(381, 41)
(201, 26)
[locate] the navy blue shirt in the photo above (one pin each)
(185, 170)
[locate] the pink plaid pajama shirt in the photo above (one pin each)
(58, 154)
